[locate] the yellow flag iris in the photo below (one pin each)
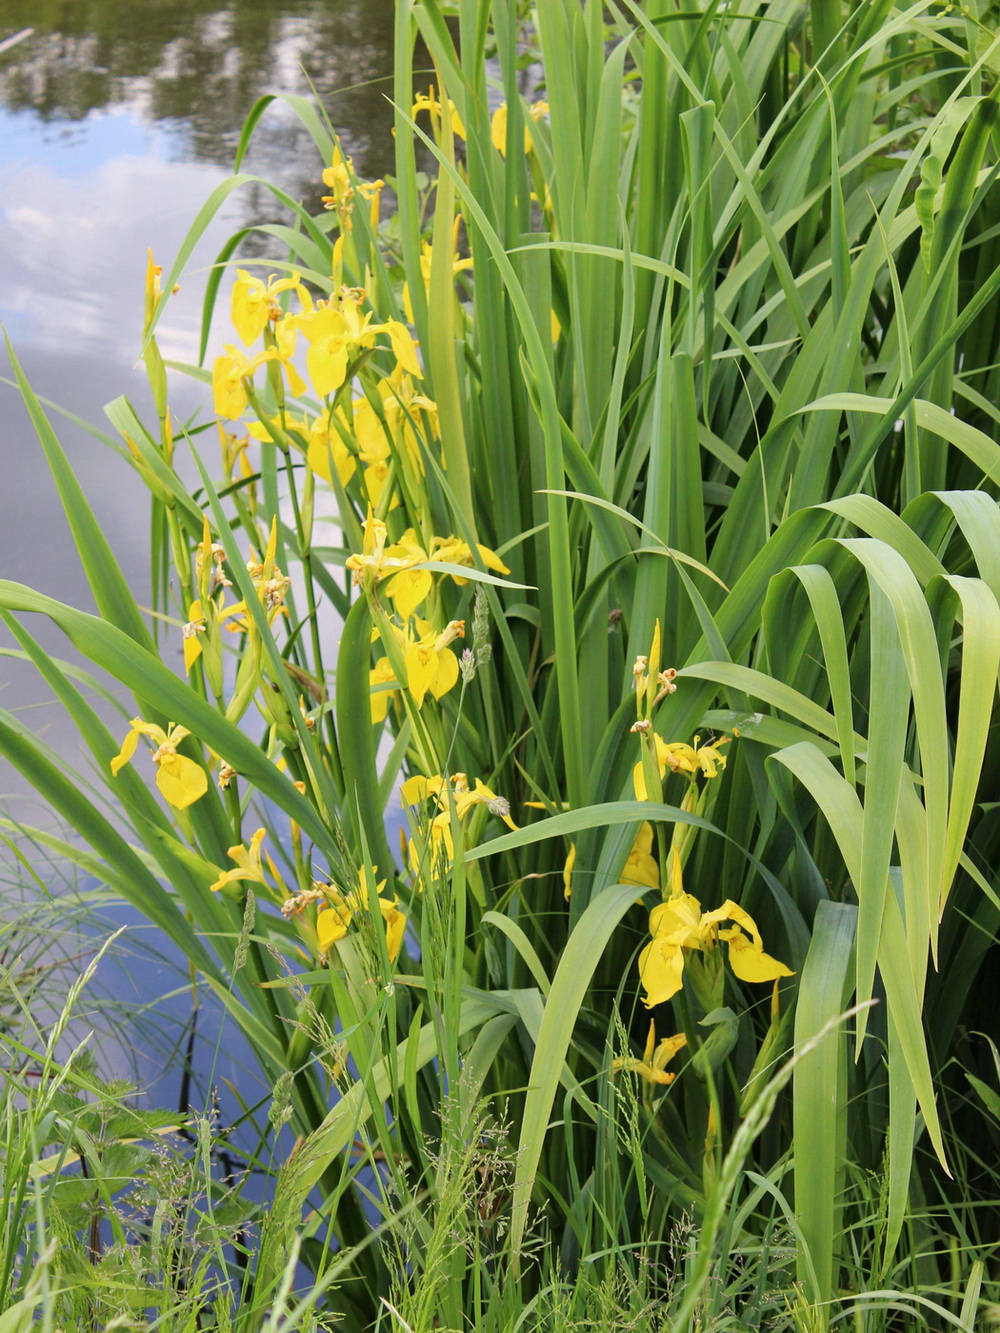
(180, 780)
(655, 1058)
(679, 757)
(254, 302)
(641, 867)
(249, 864)
(678, 925)
(333, 921)
(230, 373)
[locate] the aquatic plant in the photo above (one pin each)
(689, 363)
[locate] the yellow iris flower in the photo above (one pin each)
(375, 476)
(229, 375)
(426, 259)
(254, 302)
(180, 780)
(678, 924)
(641, 867)
(249, 865)
(344, 185)
(285, 339)
(418, 788)
(376, 561)
(368, 565)
(190, 632)
(401, 401)
(655, 1058)
(498, 126)
(404, 348)
(451, 551)
(431, 666)
(376, 431)
(335, 336)
(430, 663)
(333, 922)
(381, 674)
(429, 102)
(325, 442)
(438, 842)
(409, 587)
(680, 757)
(321, 436)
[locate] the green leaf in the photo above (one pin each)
(819, 1090)
(573, 976)
(110, 589)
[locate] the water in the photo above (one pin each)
(117, 119)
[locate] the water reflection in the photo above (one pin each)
(117, 119)
(198, 67)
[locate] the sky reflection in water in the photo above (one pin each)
(116, 122)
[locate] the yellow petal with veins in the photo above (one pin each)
(678, 920)
(181, 781)
(421, 668)
(318, 457)
(296, 383)
(641, 867)
(666, 1049)
(661, 970)
(404, 348)
(446, 673)
(395, 927)
(750, 963)
(414, 790)
(250, 306)
(127, 751)
(326, 362)
(331, 925)
(381, 674)
(408, 589)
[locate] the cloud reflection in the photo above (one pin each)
(80, 249)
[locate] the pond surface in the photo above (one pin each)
(117, 119)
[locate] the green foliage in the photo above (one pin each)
(701, 445)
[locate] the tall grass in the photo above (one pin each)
(706, 389)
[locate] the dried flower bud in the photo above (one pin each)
(667, 682)
(298, 902)
(275, 588)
